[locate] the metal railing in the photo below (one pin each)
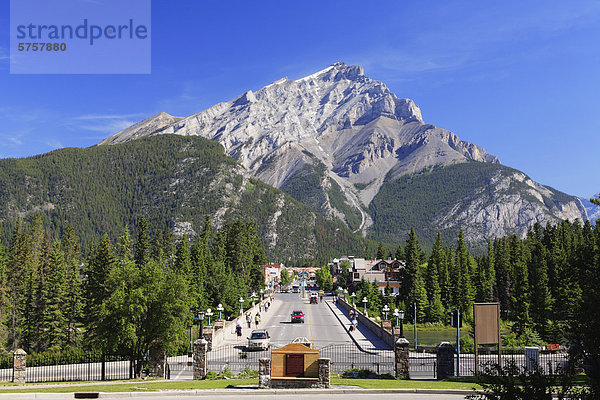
(81, 367)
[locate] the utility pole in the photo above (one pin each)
(415, 325)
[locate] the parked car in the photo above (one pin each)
(259, 340)
(314, 298)
(297, 316)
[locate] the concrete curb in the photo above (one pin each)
(241, 392)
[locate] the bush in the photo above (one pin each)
(512, 382)
(210, 375)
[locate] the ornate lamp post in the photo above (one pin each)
(385, 310)
(345, 294)
(241, 300)
(401, 315)
(253, 296)
(353, 295)
(365, 301)
(220, 310)
(209, 314)
(262, 295)
(201, 320)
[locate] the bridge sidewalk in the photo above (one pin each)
(363, 337)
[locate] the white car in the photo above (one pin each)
(259, 340)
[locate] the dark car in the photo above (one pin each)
(297, 316)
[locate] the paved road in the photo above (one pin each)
(320, 325)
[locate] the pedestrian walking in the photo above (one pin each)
(249, 320)
(355, 323)
(257, 319)
(238, 329)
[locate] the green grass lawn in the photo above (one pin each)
(142, 386)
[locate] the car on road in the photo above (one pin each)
(259, 340)
(297, 316)
(314, 298)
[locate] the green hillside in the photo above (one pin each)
(419, 200)
(173, 181)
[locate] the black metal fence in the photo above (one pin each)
(78, 367)
(348, 356)
(236, 358)
(550, 363)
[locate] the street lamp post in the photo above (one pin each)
(201, 319)
(262, 295)
(241, 300)
(401, 316)
(220, 310)
(345, 294)
(253, 296)
(209, 314)
(385, 310)
(365, 301)
(353, 295)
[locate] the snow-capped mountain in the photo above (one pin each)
(333, 139)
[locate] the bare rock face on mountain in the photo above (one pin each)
(331, 140)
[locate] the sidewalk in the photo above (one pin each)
(363, 337)
(230, 336)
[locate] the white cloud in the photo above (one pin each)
(104, 123)
(54, 144)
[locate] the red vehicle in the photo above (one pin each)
(297, 316)
(314, 298)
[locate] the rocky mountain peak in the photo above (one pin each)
(337, 128)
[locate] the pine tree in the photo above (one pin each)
(380, 252)
(183, 259)
(399, 253)
(541, 300)
(435, 310)
(413, 260)
(142, 245)
(55, 320)
(464, 288)
(486, 277)
(520, 301)
(73, 295)
(99, 267)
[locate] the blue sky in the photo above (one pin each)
(521, 79)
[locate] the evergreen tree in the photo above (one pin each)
(98, 269)
(380, 252)
(142, 245)
(55, 320)
(399, 253)
(183, 258)
(464, 288)
(520, 299)
(73, 305)
(541, 300)
(413, 254)
(437, 261)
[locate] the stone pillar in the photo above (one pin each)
(264, 373)
(445, 360)
(387, 325)
(207, 334)
(324, 373)
(200, 362)
(20, 366)
(401, 353)
(157, 361)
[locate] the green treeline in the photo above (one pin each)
(127, 294)
(546, 284)
(173, 180)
